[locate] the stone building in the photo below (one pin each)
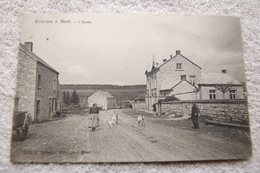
(37, 88)
(181, 79)
(220, 86)
(102, 99)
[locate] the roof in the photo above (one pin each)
(217, 78)
(173, 85)
(157, 65)
(105, 94)
(169, 86)
(36, 58)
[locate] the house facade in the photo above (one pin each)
(102, 99)
(170, 77)
(37, 88)
(181, 79)
(220, 86)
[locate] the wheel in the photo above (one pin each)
(22, 134)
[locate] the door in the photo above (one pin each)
(38, 111)
(50, 105)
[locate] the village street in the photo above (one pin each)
(68, 139)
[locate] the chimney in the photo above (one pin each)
(164, 60)
(29, 46)
(171, 56)
(224, 71)
(178, 52)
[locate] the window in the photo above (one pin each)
(178, 66)
(212, 94)
(53, 106)
(232, 94)
(39, 80)
(183, 77)
(54, 84)
(38, 110)
(192, 80)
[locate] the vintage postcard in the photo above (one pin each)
(130, 88)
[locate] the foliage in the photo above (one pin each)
(74, 98)
(68, 100)
(171, 98)
(224, 87)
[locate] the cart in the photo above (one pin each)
(21, 121)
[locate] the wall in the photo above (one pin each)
(25, 84)
(230, 111)
(139, 106)
(204, 92)
(185, 91)
(47, 92)
(111, 103)
(99, 99)
(168, 76)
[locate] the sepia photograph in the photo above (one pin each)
(95, 88)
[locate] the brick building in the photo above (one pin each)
(102, 99)
(180, 78)
(37, 88)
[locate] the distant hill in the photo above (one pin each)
(121, 93)
(100, 87)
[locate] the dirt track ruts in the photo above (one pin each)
(70, 140)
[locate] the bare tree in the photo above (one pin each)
(224, 87)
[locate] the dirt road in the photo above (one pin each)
(69, 140)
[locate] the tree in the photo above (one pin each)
(224, 87)
(74, 97)
(68, 97)
(64, 98)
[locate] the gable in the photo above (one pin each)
(179, 58)
(184, 87)
(36, 58)
(186, 63)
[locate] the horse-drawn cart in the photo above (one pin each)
(21, 121)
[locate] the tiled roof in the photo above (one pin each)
(173, 85)
(106, 94)
(36, 58)
(217, 78)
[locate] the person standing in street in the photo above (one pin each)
(194, 116)
(94, 117)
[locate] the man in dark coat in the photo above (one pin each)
(194, 115)
(94, 117)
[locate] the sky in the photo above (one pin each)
(118, 48)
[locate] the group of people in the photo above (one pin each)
(94, 117)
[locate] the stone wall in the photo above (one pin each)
(204, 92)
(139, 106)
(168, 75)
(229, 111)
(25, 83)
(46, 92)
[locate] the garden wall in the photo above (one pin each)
(139, 106)
(229, 111)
